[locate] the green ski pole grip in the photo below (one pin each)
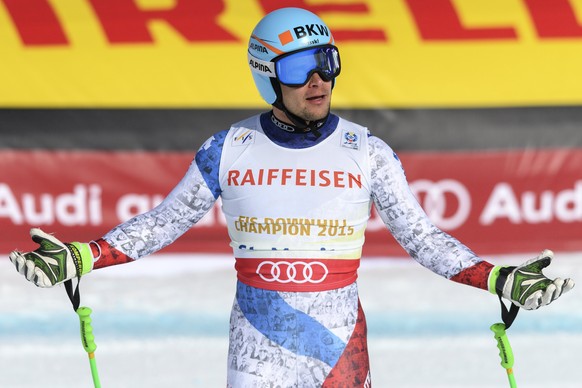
(505, 351)
(87, 337)
(88, 340)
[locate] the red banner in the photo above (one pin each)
(494, 202)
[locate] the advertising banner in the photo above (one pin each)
(494, 202)
(189, 53)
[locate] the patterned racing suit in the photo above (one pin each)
(296, 207)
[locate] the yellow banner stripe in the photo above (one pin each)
(395, 53)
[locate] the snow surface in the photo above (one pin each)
(163, 322)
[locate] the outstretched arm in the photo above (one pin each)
(149, 232)
(186, 204)
(524, 285)
(55, 262)
(411, 227)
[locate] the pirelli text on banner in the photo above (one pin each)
(473, 54)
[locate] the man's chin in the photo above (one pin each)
(315, 116)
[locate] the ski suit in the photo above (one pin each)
(296, 207)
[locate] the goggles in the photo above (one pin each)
(295, 68)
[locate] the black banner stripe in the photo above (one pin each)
(187, 129)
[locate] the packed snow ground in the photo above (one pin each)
(163, 322)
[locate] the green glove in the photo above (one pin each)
(54, 261)
(526, 285)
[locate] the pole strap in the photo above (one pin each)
(73, 295)
(507, 315)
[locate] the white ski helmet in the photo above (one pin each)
(284, 32)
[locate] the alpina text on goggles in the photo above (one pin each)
(295, 69)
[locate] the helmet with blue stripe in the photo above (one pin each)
(278, 35)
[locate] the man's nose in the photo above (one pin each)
(315, 79)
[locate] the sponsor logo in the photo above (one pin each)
(533, 208)
(298, 272)
(283, 126)
(25, 19)
(258, 47)
(256, 65)
(294, 177)
(503, 204)
(434, 196)
(299, 32)
(82, 206)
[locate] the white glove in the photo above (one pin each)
(54, 262)
(526, 285)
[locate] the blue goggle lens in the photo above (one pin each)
(296, 68)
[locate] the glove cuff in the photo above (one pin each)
(497, 278)
(86, 262)
(492, 280)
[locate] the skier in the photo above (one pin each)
(296, 183)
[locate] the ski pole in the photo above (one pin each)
(88, 340)
(505, 351)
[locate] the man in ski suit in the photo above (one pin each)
(297, 184)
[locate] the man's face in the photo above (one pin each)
(311, 101)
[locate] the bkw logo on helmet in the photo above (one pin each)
(303, 31)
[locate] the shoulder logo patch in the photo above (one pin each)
(350, 139)
(244, 137)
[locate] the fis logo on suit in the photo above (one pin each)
(243, 138)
